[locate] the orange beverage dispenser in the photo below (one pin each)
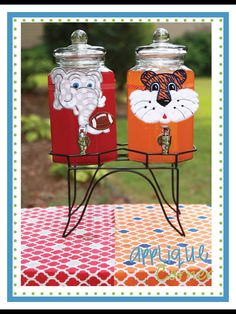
(161, 102)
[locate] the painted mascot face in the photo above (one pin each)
(79, 91)
(163, 100)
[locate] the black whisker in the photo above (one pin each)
(188, 109)
(188, 100)
(138, 110)
(145, 113)
(140, 101)
(181, 113)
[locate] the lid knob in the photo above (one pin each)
(161, 35)
(79, 37)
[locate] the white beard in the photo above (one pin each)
(182, 106)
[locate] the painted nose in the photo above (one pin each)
(164, 102)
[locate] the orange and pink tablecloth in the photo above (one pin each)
(122, 245)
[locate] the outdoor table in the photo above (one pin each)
(97, 252)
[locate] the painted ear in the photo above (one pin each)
(180, 76)
(57, 76)
(96, 75)
(146, 78)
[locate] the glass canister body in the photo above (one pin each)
(161, 104)
(82, 105)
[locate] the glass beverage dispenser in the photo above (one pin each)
(82, 103)
(161, 102)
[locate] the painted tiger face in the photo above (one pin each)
(163, 84)
(164, 99)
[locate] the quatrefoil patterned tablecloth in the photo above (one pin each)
(123, 245)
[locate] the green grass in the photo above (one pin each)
(195, 174)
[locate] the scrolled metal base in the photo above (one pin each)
(151, 179)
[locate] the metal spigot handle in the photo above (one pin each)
(164, 140)
(83, 140)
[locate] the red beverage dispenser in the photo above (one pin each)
(82, 104)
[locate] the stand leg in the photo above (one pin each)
(69, 200)
(175, 196)
(69, 190)
(87, 192)
(177, 201)
(83, 203)
(71, 205)
(159, 189)
(154, 184)
(173, 184)
(177, 191)
(75, 187)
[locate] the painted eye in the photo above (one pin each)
(90, 85)
(172, 86)
(75, 85)
(154, 87)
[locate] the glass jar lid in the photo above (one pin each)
(160, 47)
(79, 49)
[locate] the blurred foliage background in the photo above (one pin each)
(120, 56)
(44, 183)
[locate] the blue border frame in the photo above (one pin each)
(225, 297)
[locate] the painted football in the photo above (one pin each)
(101, 121)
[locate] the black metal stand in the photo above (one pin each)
(122, 155)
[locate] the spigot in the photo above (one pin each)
(83, 141)
(164, 140)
